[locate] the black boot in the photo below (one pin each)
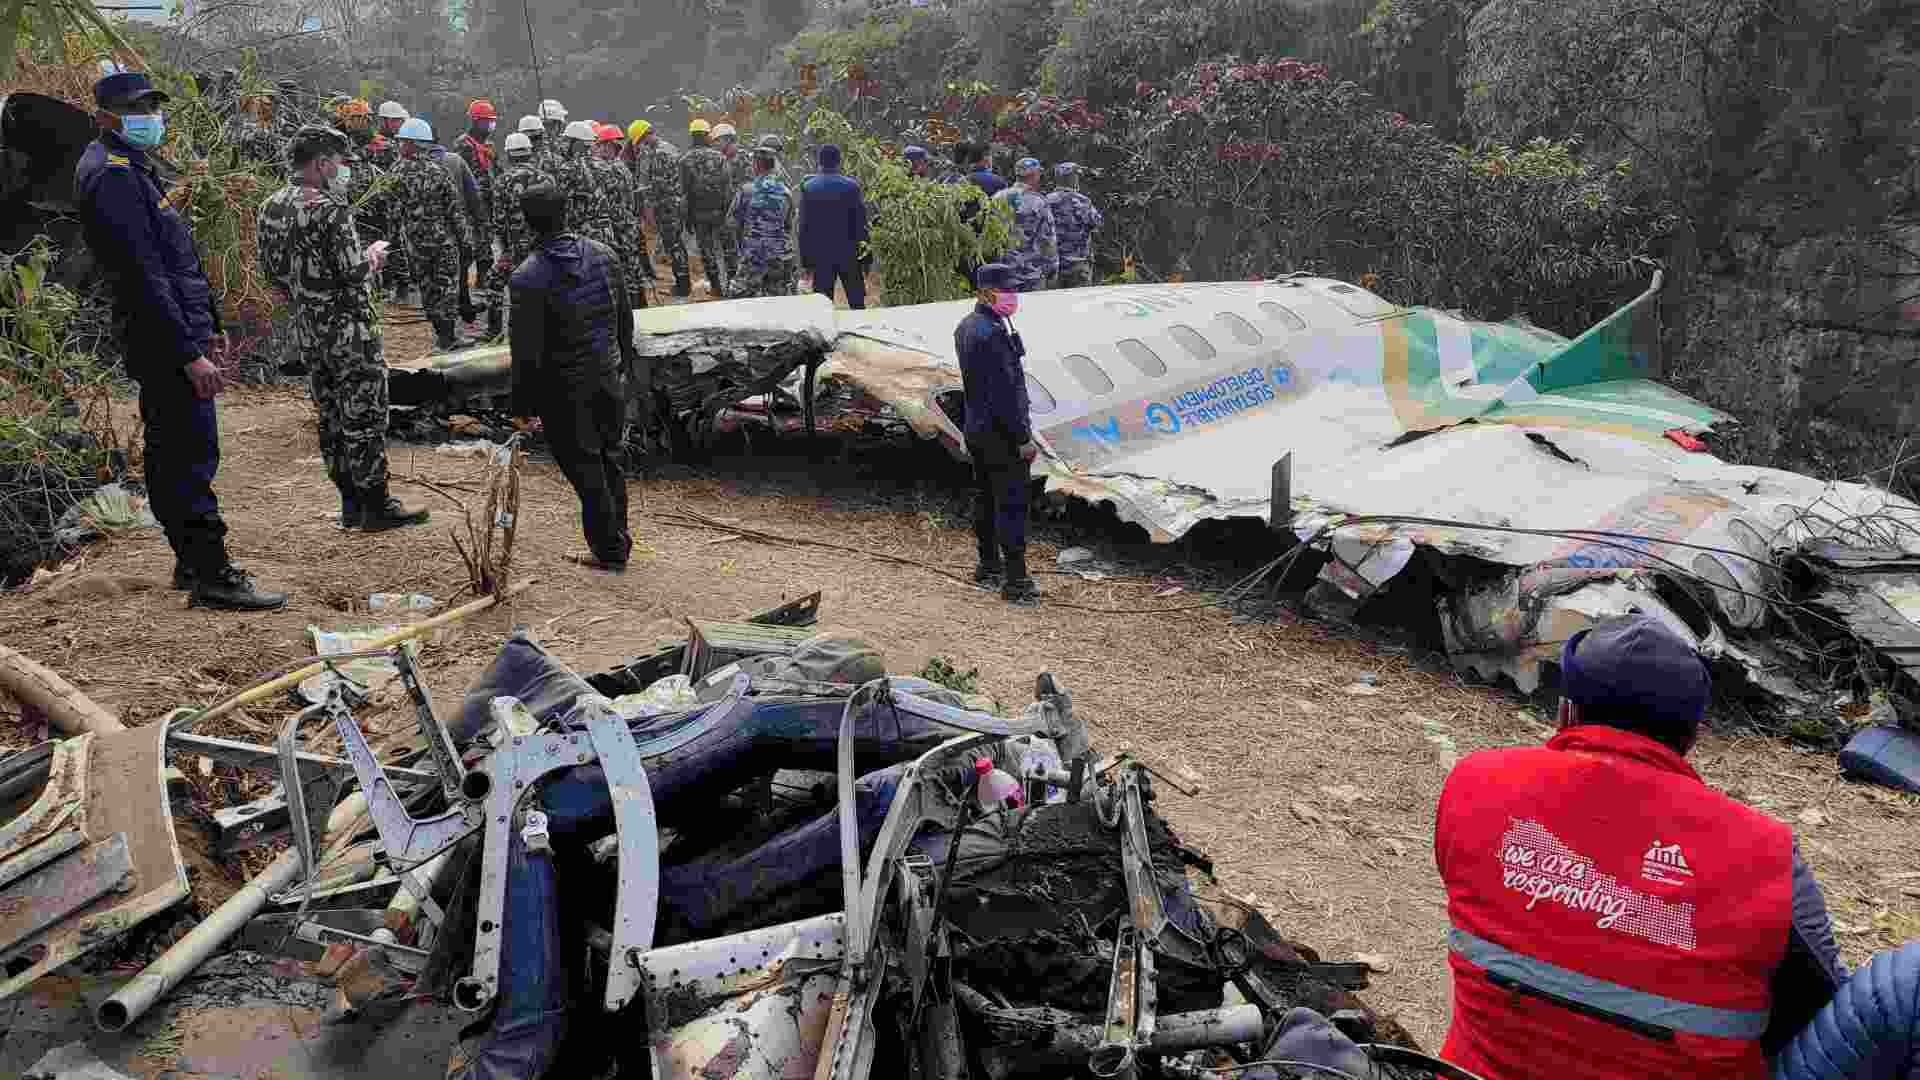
(184, 576)
(380, 511)
(350, 508)
(1019, 587)
(496, 322)
(682, 284)
(233, 589)
(990, 572)
(443, 337)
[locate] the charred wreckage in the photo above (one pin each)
(768, 870)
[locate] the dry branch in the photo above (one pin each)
(41, 690)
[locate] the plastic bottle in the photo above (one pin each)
(994, 788)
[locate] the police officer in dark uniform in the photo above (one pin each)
(164, 310)
(999, 433)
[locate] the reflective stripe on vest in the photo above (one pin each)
(1610, 997)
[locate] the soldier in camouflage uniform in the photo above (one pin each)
(616, 183)
(432, 219)
(656, 178)
(588, 210)
(550, 150)
(739, 174)
(513, 241)
(309, 249)
(251, 132)
(1038, 256)
(1074, 220)
(476, 149)
(763, 214)
(703, 185)
(777, 146)
(392, 115)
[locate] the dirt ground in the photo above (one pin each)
(1320, 754)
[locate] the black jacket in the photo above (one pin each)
(572, 317)
(161, 296)
(994, 377)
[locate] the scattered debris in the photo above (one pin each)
(753, 914)
(1884, 755)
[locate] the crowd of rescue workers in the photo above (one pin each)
(1612, 914)
(550, 243)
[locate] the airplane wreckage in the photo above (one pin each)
(1520, 485)
(752, 854)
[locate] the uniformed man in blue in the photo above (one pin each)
(164, 310)
(833, 228)
(999, 433)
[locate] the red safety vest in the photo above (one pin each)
(1613, 916)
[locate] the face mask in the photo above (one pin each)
(341, 178)
(1005, 303)
(485, 129)
(144, 131)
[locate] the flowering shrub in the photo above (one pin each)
(1237, 168)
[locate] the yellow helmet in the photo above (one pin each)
(638, 130)
(699, 127)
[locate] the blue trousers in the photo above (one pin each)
(182, 453)
(850, 278)
(1000, 483)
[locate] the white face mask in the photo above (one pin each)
(341, 178)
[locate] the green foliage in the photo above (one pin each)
(1240, 169)
(942, 671)
(1107, 47)
(917, 236)
(43, 377)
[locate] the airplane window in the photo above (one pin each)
(1243, 331)
(1148, 361)
(1039, 400)
(1284, 315)
(1189, 339)
(1087, 373)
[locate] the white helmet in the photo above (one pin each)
(581, 130)
(518, 143)
(393, 110)
(552, 110)
(725, 131)
(531, 125)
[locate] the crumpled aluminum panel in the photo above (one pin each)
(751, 1006)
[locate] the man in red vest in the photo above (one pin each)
(1613, 916)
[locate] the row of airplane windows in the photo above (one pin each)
(1096, 381)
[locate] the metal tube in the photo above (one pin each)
(385, 641)
(1050, 1037)
(132, 1001)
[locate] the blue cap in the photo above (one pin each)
(995, 276)
(124, 88)
(1635, 667)
(914, 153)
(1026, 163)
(1065, 168)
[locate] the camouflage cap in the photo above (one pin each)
(315, 140)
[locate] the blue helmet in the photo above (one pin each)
(415, 130)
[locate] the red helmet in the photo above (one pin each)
(482, 110)
(608, 133)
